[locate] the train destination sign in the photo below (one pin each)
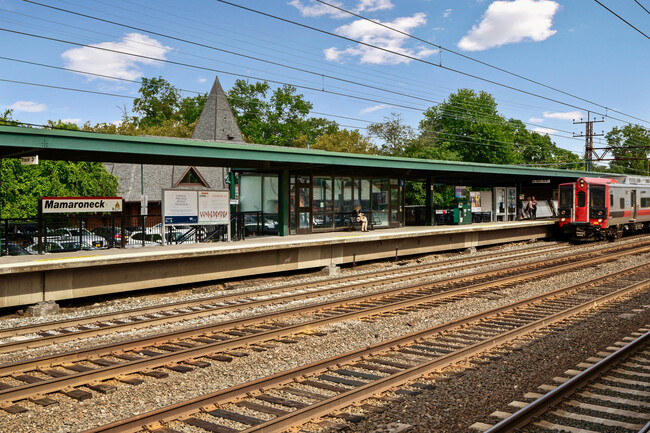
(81, 204)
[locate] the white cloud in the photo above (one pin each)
(374, 5)
(315, 10)
(27, 106)
(115, 64)
(71, 120)
(202, 80)
(373, 34)
(569, 115)
(508, 22)
(373, 108)
(545, 131)
(446, 13)
(536, 119)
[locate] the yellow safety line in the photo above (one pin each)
(66, 258)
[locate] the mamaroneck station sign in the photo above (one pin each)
(81, 204)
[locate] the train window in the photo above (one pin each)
(645, 201)
(611, 200)
(582, 199)
(597, 196)
(622, 202)
(566, 196)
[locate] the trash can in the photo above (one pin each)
(460, 212)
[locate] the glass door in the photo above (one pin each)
(304, 205)
(395, 206)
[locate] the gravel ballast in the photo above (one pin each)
(438, 406)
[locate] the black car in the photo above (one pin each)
(112, 235)
(13, 249)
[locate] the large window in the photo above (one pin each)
(380, 202)
(322, 205)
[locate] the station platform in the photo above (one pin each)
(26, 280)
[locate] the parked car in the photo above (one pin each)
(140, 239)
(254, 225)
(60, 246)
(74, 233)
(112, 235)
(13, 249)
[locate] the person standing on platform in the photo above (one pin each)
(533, 207)
(360, 217)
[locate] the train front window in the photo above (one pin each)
(566, 196)
(582, 199)
(597, 196)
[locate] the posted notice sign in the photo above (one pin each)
(196, 207)
(214, 207)
(81, 204)
(181, 207)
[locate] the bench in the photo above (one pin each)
(353, 223)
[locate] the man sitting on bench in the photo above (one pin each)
(360, 217)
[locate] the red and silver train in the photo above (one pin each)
(593, 208)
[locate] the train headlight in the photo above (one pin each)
(562, 219)
(600, 220)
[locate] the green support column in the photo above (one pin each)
(283, 203)
(430, 219)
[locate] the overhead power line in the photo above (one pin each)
(417, 59)
(623, 19)
(313, 73)
(642, 7)
(440, 47)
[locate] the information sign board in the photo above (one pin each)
(180, 207)
(214, 207)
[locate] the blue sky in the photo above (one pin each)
(577, 47)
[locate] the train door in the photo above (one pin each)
(581, 203)
(633, 205)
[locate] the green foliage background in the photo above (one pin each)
(465, 127)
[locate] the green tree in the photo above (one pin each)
(345, 141)
(469, 125)
(630, 146)
(6, 118)
(160, 104)
(280, 119)
(394, 134)
(22, 186)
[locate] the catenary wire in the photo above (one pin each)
(317, 74)
(440, 47)
(416, 59)
(622, 19)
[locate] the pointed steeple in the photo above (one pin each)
(217, 121)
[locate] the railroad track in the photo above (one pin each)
(67, 330)
(181, 350)
(322, 389)
(610, 392)
(45, 334)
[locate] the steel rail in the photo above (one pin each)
(155, 419)
(182, 316)
(60, 338)
(170, 337)
(543, 404)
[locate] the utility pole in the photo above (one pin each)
(590, 153)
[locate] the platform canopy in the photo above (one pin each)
(84, 146)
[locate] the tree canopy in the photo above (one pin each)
(630, 146)
(280, 119)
